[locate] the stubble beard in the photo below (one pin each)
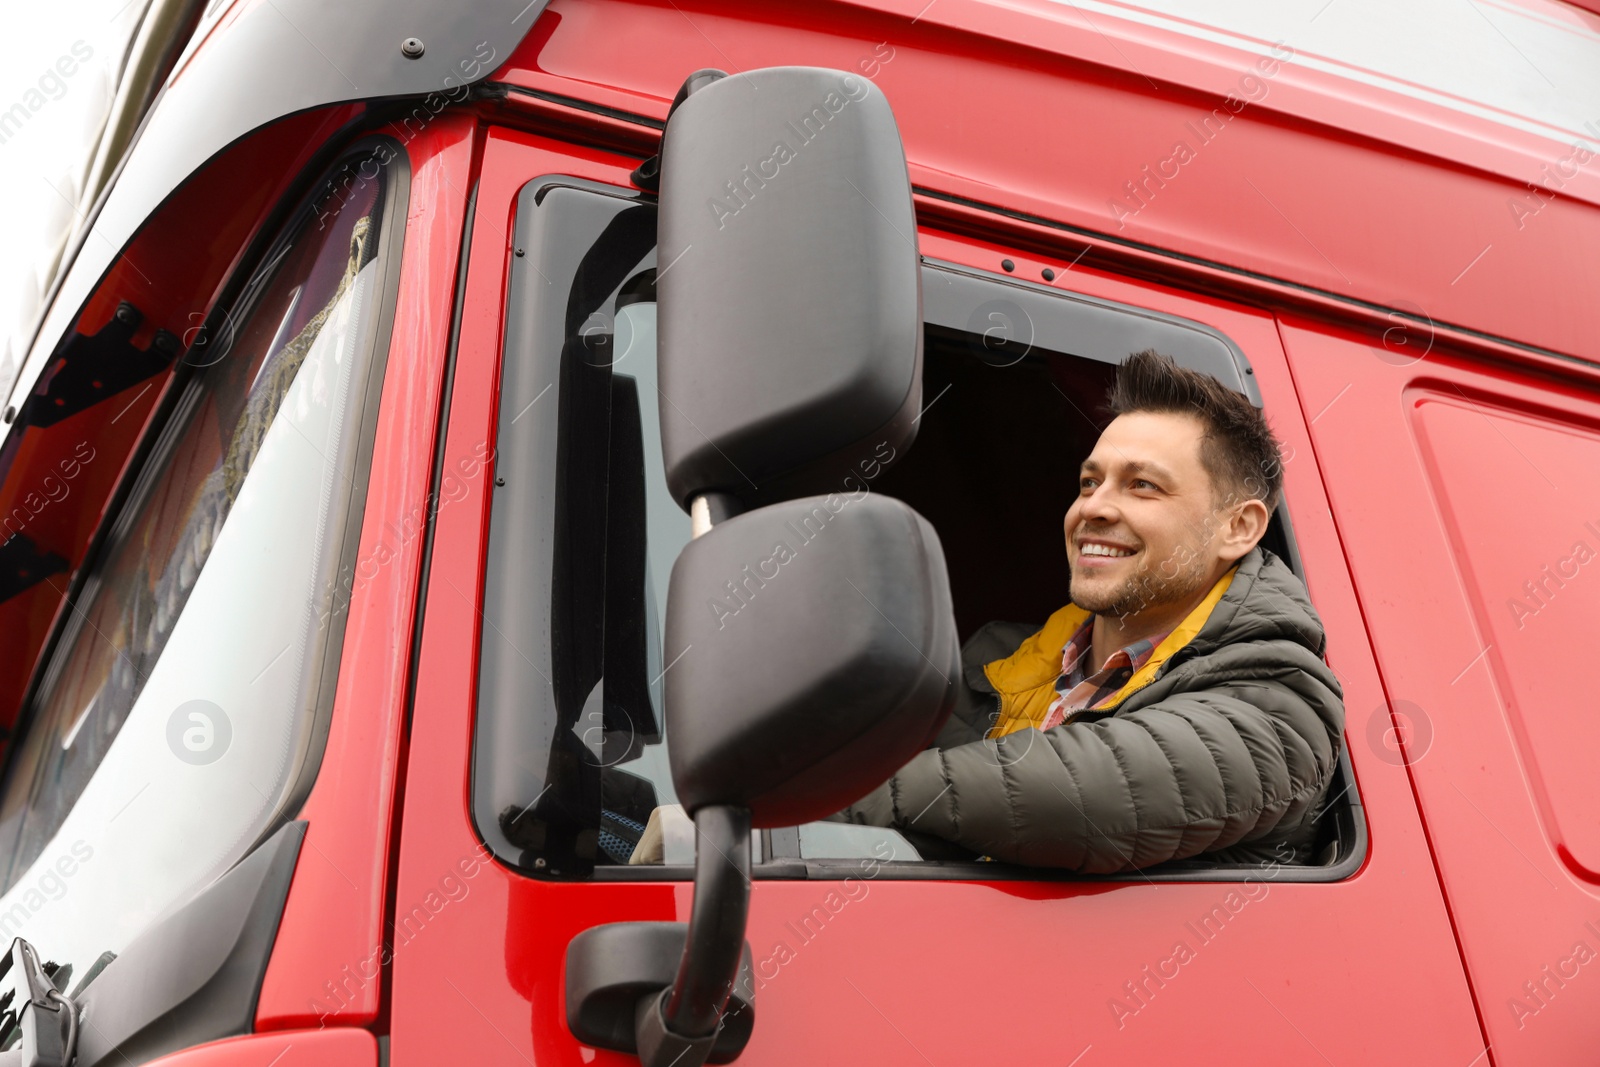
(1145, 588)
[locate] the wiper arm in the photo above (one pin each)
(45, 1018)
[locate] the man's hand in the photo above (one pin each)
(669, 832)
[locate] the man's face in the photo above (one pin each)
(1142, 532)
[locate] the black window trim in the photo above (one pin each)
(1089, 327)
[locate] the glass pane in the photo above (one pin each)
(178, 708)
(569, 760)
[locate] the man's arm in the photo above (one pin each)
(1232, 763)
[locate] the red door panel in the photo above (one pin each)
(1459, 492)
(886, 971)
(1523, 520)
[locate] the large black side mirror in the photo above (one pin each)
(817, 648)
(789, 314)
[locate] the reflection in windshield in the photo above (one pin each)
(176, 711)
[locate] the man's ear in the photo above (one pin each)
(1242, 530)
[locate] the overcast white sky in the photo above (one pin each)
(43, 155)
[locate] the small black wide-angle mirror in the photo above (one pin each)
(790, 323)
(819, 654)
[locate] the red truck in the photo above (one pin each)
(341, 487)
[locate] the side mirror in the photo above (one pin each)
(819, 655)
(790, 299)
(817, 649)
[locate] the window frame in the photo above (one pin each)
(1057, 320)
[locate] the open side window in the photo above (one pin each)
(569, 756)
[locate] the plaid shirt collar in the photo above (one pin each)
(1077, 690)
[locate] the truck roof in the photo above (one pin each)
(1433, 163)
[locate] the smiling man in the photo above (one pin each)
(1180, 705)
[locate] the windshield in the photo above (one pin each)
(172, 722)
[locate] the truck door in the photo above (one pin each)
(1463, 479)
(536, 752)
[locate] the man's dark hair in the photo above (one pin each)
(1238, 450)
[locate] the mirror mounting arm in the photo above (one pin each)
(680, 1025)
(709, 508)
(648, 174)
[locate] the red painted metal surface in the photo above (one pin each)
(328, 961)
(1454, 488)
(1523, 521)
(915, 972)
(1033, 107)
(324, 1048)
(1431, 490)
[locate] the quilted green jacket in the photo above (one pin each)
(1226, 752)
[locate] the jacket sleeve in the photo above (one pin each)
(1232, 762)
(974, 714)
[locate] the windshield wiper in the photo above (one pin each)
(42, 1022)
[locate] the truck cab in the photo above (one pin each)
(342, 501)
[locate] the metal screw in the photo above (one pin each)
(539, 864)
(519, 253)
(499, 481)
(411, 48)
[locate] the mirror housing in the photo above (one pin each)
(789, 316)
(789, 341)
(819, 654)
